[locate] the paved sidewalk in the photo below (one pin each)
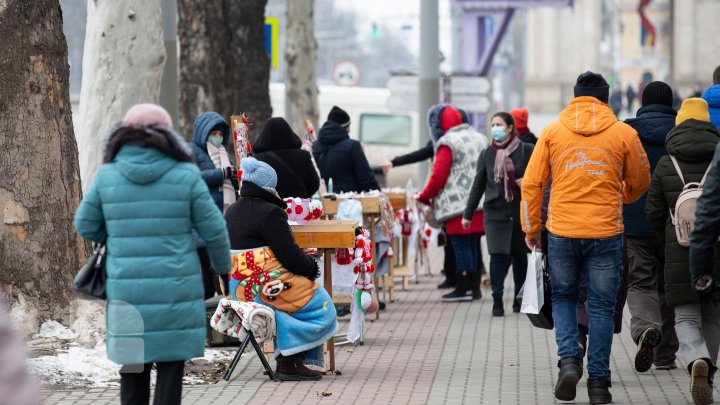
(423, 351)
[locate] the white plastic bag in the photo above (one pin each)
(533, 293)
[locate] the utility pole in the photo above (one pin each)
(169, 97)
(429, 73)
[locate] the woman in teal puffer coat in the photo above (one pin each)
(143, 202)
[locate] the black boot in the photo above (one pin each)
(287, 370)
(446, 284)
(460, 291)
(599, 391)
(568, 377)
(498, 309)
(474, 285)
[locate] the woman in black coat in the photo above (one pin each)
(697, 323)
(278, 146)
(270, 268)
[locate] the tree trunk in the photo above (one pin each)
(301, 90)
(39, 175)
(123, 65)
(223, 63)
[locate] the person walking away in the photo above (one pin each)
(630, 95)
(304, 312)
(712, 96)
(597, 163)
(281, 148)
(143, 202)
(457, 148)
(690, 146)
(520, 116)
(340, 158)
(652, 321)
(211, 135)
(500, 170)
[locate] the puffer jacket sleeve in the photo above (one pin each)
(656, 207)
(533, 185)
(364, 174)
(478, 187)
(210, 224)
(89, 219)
(707, 223)
(211, 175)
(636, 170)
(277, 234)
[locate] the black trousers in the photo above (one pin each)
(210, 281)
(135, 384)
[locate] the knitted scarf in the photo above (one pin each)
(220, 159)
(504, 168)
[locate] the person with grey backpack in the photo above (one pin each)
(676, 185)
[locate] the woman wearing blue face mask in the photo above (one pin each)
(499, 172)
(211, 135)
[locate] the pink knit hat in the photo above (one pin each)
(147, 115)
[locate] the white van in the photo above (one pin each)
(383, 133)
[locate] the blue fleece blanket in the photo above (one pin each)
(307, 329)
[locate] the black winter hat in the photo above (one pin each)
(339, 116)
(657, 93)
(593, 85)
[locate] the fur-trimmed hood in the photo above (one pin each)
(144, 153)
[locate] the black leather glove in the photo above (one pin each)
(229, 173)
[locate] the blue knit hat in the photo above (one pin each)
(260, 173)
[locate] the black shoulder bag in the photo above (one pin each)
(89, 283)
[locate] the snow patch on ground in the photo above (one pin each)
(76, 366)
(54, 329)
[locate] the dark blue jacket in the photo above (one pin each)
(652, 123)
(213, 176)
(712, 96)
(342, 159)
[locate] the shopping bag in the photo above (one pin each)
(542, 319)
(533, 288)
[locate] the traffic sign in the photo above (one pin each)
(272, 29)
(346, 73)
(470, 93)
(469, 85)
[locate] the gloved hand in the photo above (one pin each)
(229, 173)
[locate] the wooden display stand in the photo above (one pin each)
(371, 208)
(398, 200)
(328, 236)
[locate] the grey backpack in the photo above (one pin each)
(684, 216)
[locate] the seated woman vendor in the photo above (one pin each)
(270, 268)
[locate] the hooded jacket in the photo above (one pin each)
(597, 163)
(652, 123)
(294, 167)
(712, 96)
(342, 159)
(692, 143)
(143, 204)
(213, 176)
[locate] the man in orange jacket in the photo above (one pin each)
(597, 164)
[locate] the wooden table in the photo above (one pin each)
(399, 201)
(328, 236)
(370, 207)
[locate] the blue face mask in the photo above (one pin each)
(215, 140)
(498, 133)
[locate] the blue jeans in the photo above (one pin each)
(467, 252)
(600, 261)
